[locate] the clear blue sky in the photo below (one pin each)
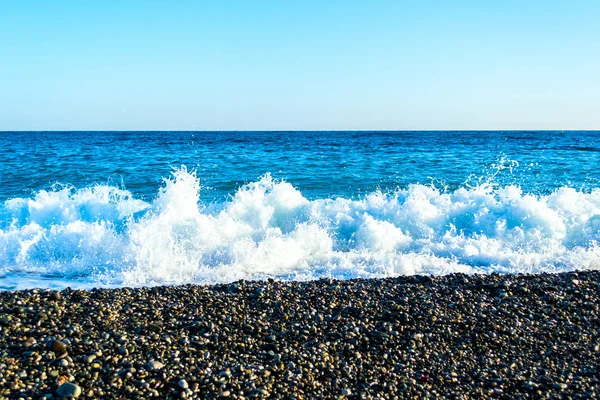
(220, 65)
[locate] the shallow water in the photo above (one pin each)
(86, 209)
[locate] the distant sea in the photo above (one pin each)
(113, 209)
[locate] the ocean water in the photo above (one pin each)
(111, 209)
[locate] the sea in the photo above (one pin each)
(128, 209)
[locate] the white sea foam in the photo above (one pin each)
(104, 236)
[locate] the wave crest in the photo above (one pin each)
(104, 236)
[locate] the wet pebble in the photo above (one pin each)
(58, 347)
(69, 390)
(457, 336)
(182, 384)
(154, 365)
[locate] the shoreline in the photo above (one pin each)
(463, 336)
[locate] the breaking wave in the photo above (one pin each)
(103, 236)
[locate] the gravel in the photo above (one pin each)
(458, 336)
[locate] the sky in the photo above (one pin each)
(299, 65)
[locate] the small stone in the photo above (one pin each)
(226, 393)
(62, 379)
(183, 384)
(154, 328)
(90, 359)
(58, 347)
(347, 392)
(19, 310)
(55, 296)
(560, 386)
(69, 390)
(62, 363)
(154, 365)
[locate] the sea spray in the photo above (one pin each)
(102, 235)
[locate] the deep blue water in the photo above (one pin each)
(320, 164)
(93, 208)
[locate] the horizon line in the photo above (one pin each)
(294, 130)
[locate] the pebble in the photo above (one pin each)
(62, 363)
(69, 390)
(90, 359)
(560, 386)
(55, 296)
(183, 384)
(154, 365)
(456, 336)
(58, 347)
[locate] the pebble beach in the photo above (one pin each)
(457, 336)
